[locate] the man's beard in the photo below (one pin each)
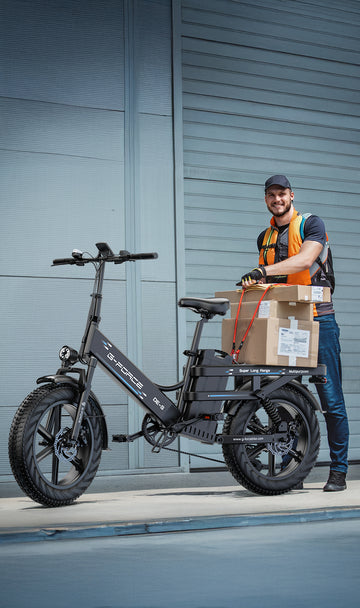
(277, 213)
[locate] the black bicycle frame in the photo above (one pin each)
(149, 396)
(133, 381)
(191, 408)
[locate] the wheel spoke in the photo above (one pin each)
(256, 425)
(78, 464)
(55, 470)
(256, 428)
(50, 420)
(298, 456)
(45, 434)
(271, 462)
(255, 451)
(57, 419)
(47, 451)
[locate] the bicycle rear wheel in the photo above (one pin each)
(273, 468)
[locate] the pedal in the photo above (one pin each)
(120, 438)
(127, 438)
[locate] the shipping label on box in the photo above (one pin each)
(320, 294)
(293, 343)
(264, 310)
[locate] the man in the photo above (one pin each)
(292, 250)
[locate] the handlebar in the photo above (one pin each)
(105, 255)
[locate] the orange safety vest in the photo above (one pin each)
(295, 240)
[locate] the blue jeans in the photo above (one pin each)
(331, 394)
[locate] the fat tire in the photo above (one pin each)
(237, 459)
(22, 443)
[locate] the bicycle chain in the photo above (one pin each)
(195, 455)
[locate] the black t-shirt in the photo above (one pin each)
(314, 230)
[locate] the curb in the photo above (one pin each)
(178, 525)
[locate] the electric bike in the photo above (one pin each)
(269, 428)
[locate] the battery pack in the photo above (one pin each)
(205, 430)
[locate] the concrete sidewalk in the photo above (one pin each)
(154, 503)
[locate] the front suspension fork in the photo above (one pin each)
(83, 400)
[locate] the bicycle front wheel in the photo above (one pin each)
(48, 467)
(273, 468)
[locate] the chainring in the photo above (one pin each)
(155, 434)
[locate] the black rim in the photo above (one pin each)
(274, 461)
(60, 465)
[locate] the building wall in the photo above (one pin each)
(268, 88)
(152, 125)
(86, 156)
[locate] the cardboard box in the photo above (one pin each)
(233, 296)
(302, 311)
(274, 341)
(279, 292)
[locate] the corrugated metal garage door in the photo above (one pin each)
(272, 87)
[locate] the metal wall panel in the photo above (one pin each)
(272, 88)
(63, 52)
(86, 156)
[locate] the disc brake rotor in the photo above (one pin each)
(280, 448)
(62, 448)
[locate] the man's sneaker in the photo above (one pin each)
(336, 482)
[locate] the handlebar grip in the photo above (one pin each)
(63, 261)
(143, 256)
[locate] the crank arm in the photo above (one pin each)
(127, 438)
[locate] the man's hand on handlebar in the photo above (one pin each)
(253, 276)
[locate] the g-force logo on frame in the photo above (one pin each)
(128, 377)
(125, 372)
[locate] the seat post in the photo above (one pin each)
(197, 334)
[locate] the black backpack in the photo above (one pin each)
(325, 260)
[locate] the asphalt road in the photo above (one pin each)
(288, 565)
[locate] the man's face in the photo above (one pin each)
(278, 200)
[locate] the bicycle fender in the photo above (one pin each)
(58, 379)
(63, 379)
(307, 394)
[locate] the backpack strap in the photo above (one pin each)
(325, 256)
(302, 225)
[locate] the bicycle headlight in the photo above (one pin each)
(68, 354)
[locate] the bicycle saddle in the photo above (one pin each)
(206, 306)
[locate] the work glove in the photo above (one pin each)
(256, 274)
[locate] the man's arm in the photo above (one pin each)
(303, 260)
(309, 251)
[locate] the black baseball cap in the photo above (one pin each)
(277, 180)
